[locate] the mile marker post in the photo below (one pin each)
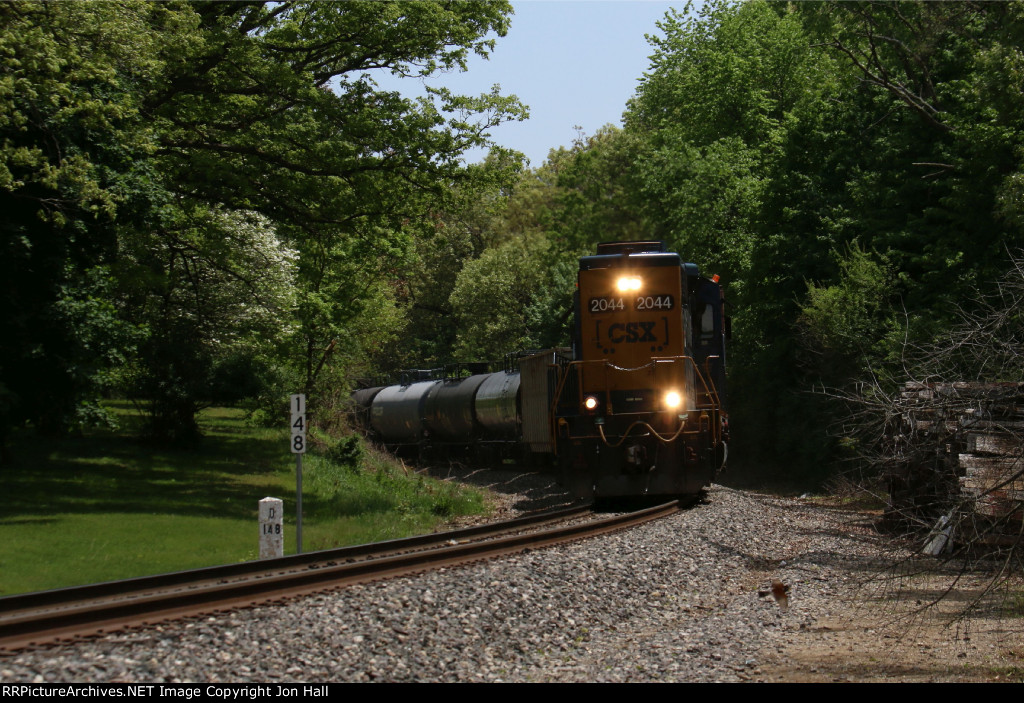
(297, 404)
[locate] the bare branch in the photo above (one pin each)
(947, 443)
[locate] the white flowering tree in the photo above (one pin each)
(215, 296)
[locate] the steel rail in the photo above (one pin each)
(128, 587)
(51, 616)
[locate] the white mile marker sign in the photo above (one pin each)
(297, 404)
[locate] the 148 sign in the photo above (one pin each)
(298, 422)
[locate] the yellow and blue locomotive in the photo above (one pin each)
(635, 407)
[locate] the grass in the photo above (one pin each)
(108, 505)
(377, 501)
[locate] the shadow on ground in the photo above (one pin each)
(530, 491)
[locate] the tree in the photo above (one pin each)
(462, 232)
(772, 135)
(218, 303)
(904, 155)
(709, 118)
(842, 324)
(73, 168)
(595, 197)
(127, 122)
(938, 135)
(511, 299)
(303, 136)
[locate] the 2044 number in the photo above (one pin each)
(606, 305)
(641, 303)
(654, 302)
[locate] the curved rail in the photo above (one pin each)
(34, 619)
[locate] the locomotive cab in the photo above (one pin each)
(639, 410)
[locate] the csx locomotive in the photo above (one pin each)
(634, 408)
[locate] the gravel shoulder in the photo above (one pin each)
(686, 598)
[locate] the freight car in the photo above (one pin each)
(634, 408)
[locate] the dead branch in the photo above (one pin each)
(946, 442)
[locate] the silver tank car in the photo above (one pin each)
(478, 407)
(448, 413)
(497, 404)
(396, 415)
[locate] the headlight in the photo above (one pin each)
(628, 283)
(590, 403)
(673, 400)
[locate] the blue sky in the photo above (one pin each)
(573, 62)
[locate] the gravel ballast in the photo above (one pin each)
(685, 598)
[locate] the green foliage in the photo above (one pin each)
(423, 283)
(844, 323)
(710, 117)
(772, 135)
(236, 173)
(351, 171)
(511, 299)
(594, 196)
(938, 137)
(347, 452)
(71, 140)
(384, 496)
(217, 301)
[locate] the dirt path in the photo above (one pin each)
(892, 630)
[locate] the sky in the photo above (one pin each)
(573, 62)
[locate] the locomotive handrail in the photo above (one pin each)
(712, 389)
(625, 435)
(649, 364)
(710, 393)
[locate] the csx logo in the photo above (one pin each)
(630, 332)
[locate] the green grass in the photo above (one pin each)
(108, 505)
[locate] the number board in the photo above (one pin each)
(654, 303)
(297, 405)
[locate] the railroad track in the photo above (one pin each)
(48, 617)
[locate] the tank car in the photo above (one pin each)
(456, 408)
(634, 407)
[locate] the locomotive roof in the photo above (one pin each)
(629, 247)
(632, 259)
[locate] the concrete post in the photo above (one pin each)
(271, 528)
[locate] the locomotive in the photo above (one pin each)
(635, 407)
